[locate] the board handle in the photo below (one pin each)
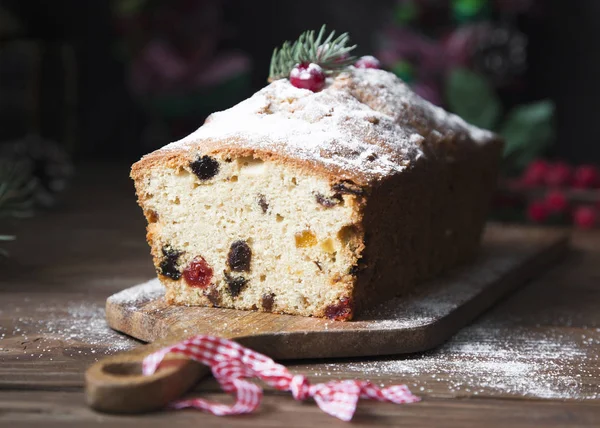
(116, 384)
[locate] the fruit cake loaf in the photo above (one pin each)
(316, 203)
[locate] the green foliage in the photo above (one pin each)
(405, 12)
(528, 130)
(330, 53)
(404, 70)
(470, 96)
(470, 10)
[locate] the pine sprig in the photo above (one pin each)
(331, 53)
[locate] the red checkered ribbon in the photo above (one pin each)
(231, 363)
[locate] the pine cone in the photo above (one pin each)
(49, 164)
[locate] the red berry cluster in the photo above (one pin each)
(560, 174)
(311, 76)
(560, 178)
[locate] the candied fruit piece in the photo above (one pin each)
(205, 167)
(239, 257)
(348, 187)
(328, 202)
(267, 301)
(306, 238)
(198, 273)
(152, 216)
(235, 284)
(349, 236)
(327, 246)
(341, 311)
(262, 202)
(169, 266)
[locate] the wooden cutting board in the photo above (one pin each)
(509, 256)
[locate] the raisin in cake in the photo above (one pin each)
(316, 204)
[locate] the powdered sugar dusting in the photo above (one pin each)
(365, 122)
(136, 296)
(492, 359)
(78, 327)
(436, 299)
(386, 93)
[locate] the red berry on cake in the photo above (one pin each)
(308, 76)
(586, 177)
(537, 211)
(559, 175)
(556, 201)
(585, 217)
(367, 61)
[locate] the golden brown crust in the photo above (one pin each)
(181, 157)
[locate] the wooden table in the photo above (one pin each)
(531, 361)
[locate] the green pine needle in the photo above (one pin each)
(331, 53)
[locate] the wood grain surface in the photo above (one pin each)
(533, 360)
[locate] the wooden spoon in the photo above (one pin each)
(116, 384)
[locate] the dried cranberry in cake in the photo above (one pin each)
(262, 202)
(239, 257)
(328, 202)
(267, 301)
(235, 284)
(348, 187)
(198, 273)
(205, 167)
(169, 264)
(341, 311)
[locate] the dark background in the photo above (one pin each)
(102, 118)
